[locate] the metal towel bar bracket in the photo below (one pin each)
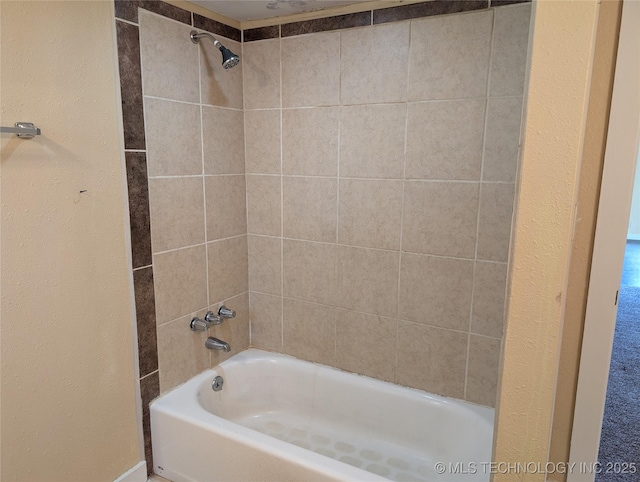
(24, 130)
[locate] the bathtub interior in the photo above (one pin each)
(395, 432)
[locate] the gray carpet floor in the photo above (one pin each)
(620, 439)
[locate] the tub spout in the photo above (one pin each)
(214, 344)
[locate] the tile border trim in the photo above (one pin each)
(127, 10)
(373, 17)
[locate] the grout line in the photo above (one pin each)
(204, 187)
(143, 267)
(200, 104)
(183, 176)
(149, 374)
(198, 244)
(342, 245)
(479, 206)
(390, 179)
(246, 180)
(404, 177)
(338, 159)
(379, 104)
(259, 109)
(223, 107)
(281, 197)
(339, 149)
(118, 19)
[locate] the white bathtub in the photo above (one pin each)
(281, 419)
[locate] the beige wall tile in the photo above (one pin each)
(266, 321)
(180, 281)
(309, 331)
(440, 218)
(367, 280)
(436, 291)
(482, 374)
(173, 133)
(169, 59)
(310, 141)
(509, 56)
(374, 64)
(223, 134)
(262, 141)
(219, 86)
(370, 213)
(261, 72)
(177, 212)
(265, 266)
(310, 271)
(449, 56)
(264, 203)
(366, 344)
(234, 331)
(228, 268)
(181, 352)
(311, 70)
(372, 139)
(444, 140)
(494, 228)
(490, 284)
(226, 206)
(310, 208)
(502, 139)
(431, 359)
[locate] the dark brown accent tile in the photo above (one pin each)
(500, 3)
(139, 208)
(261, 33)
(130, 85)
(166, 10)
(126, 10)
(427, 9)
(216, 27)
(146, 320)
(349, 20)
(149, 389)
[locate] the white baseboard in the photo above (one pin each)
(137, 473)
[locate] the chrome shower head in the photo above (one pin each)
(229, 59)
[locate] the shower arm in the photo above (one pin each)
(195, 38)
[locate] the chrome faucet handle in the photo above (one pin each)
(198, 324)
(212, 318)
(225, 312)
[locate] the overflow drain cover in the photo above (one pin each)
(217, 383)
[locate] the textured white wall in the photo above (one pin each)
(561, 62)
(68, 407)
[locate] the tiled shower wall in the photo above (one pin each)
(184, 150)
(380, 166)
(380, 170)
(195, 167)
